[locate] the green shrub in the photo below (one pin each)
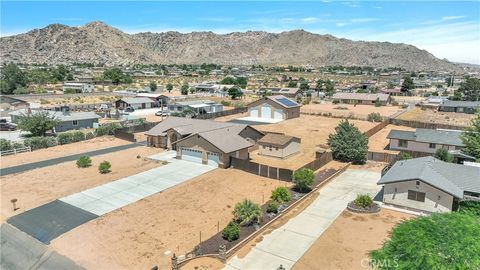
(226, 103)
(84, 162)
(281, 195)
(336, 101)
(469, 207)
(64, 138)
(231, 232)
(89, 135)
(363, 201)
(439, 241)
(378, 103)
(247, 213)
(303, 179)
(5, 145)
(444, 155)
(107, 129)
(40, 142)
(104, 167)
(374, 117)
(78, 136)
(16, 145)
(272, 207)
(404, 156)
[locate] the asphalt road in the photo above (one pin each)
(54, 161)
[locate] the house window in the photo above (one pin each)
(276, 148)
(417, 183)
(403, 143)
(432, 145)
(75, 122)
(416, 196)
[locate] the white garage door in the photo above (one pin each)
(266, 112)
(254, 112)
(213, 159)
(278, 114)
(192, 155)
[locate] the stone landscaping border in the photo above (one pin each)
(375, 208)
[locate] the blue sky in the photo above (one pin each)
(448, 29)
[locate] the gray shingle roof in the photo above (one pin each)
(454, 103)
(137, 100)
(452, 178)
(361, 96)
(438, 136)
(61, 116)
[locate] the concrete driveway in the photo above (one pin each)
(288, 243)
(111, 196)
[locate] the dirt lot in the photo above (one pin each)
(36, 187)
(313, 131)
(346, 243)
(432, 116)
(61, 151)
(359, 110)
(148, 232)
(378, 142)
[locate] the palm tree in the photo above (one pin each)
(247, 213)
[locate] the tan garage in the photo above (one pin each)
(278, 145)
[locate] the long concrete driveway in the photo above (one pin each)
(55, 161)
(287, 244)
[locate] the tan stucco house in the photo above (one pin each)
(274, 107)
(278, 145)
(361, 98)
(430, 185)
(204, 141)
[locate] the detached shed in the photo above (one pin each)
(278, 145)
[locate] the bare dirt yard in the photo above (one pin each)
(147, 233)
(347, 242)
(378, 142)
(433, 116)
(61, 151)
(313, 132)
(36, 187)
(349, 109)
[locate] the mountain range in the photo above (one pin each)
(97, 42)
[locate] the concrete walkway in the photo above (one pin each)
(55, 161)
(288, 243)
(111, 196)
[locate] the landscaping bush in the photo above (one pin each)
(247, 213)
(348, 144)
(363, 201)
(64, 138)
(374, 117)
(107, 129)
(40, 142)
(231, 232)
(104, 167)
(89, 135)
(404, 156)
(378, 103)
(336, 101)
(225, 103)
(16, 145)
(78, 136)
(5, 145)
(443, 155)
(281, 195)
(439, 241)
(272, 207)
(303, 179)
(469, 207)
(84, 162)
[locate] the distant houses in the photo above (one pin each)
(361, 98)
(135, 103)
(197, 106)
(78, 87)
(274, 107)
(459, 106)
(291, 92)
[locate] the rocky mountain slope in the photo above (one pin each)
(99, 43)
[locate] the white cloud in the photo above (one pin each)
(310, 19)
(451, 18)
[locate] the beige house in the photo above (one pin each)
(204, 141)
(361, 98)
(274, 107)
(425, 140)
(278, 145)
(430, 185)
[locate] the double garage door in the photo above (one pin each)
(196, 156)
(266, 112)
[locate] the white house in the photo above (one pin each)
(79, 87)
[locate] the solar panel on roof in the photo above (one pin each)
(287, 102)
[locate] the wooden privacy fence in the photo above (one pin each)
(262, 169)
(127, 133)
(222, 113)
(416, 124)
(382, 157)
(319, 162)
(369, 133)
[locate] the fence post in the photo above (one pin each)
(174, 262)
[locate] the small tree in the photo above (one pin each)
(378, 103)
(443, 155)
(104, 167)
(235, 92)
(247, 213)
(184, 89)
(469, 208)
(363, 201)
(84, 162)
(471, 137)
(348, 144)
(37, 123)
(374, 117)
(281, 195)
(231, 232)
(169, 87)
(439, 241)
(292, 84)
(303, 179)
(153, 86)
